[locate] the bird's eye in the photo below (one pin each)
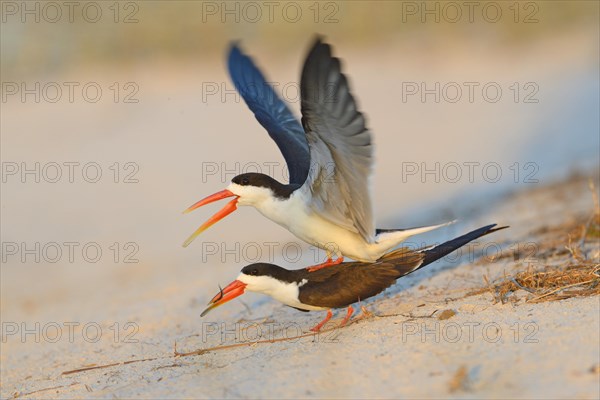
(254, 272)
(245, 181)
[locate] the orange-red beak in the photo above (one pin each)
(233, 290)
(225, 211)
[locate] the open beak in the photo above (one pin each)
(225, 211)
(233, 290)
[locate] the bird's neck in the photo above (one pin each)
(283, 191)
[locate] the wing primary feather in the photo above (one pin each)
(271, 112)
(337, 137)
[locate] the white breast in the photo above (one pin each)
(295, 215)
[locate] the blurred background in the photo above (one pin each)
(116, 116)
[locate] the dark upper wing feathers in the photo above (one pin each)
(360, 283)
(271, 112)
(345, 284)
(338, 137)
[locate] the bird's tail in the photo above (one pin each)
(382, 235)
(434, 253)
(386, 239)
(441, 250)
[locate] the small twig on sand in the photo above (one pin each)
(17, 394)
(74, 371)
(522, 287)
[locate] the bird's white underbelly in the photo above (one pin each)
(316, 230)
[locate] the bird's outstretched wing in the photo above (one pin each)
(339, 142)
(272, 113)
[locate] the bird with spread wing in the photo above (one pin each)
(329, 157)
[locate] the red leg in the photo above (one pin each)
(318, 327)
(326, 264)
(348, 316)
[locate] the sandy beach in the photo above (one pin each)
(443, 331)
(98, 298)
